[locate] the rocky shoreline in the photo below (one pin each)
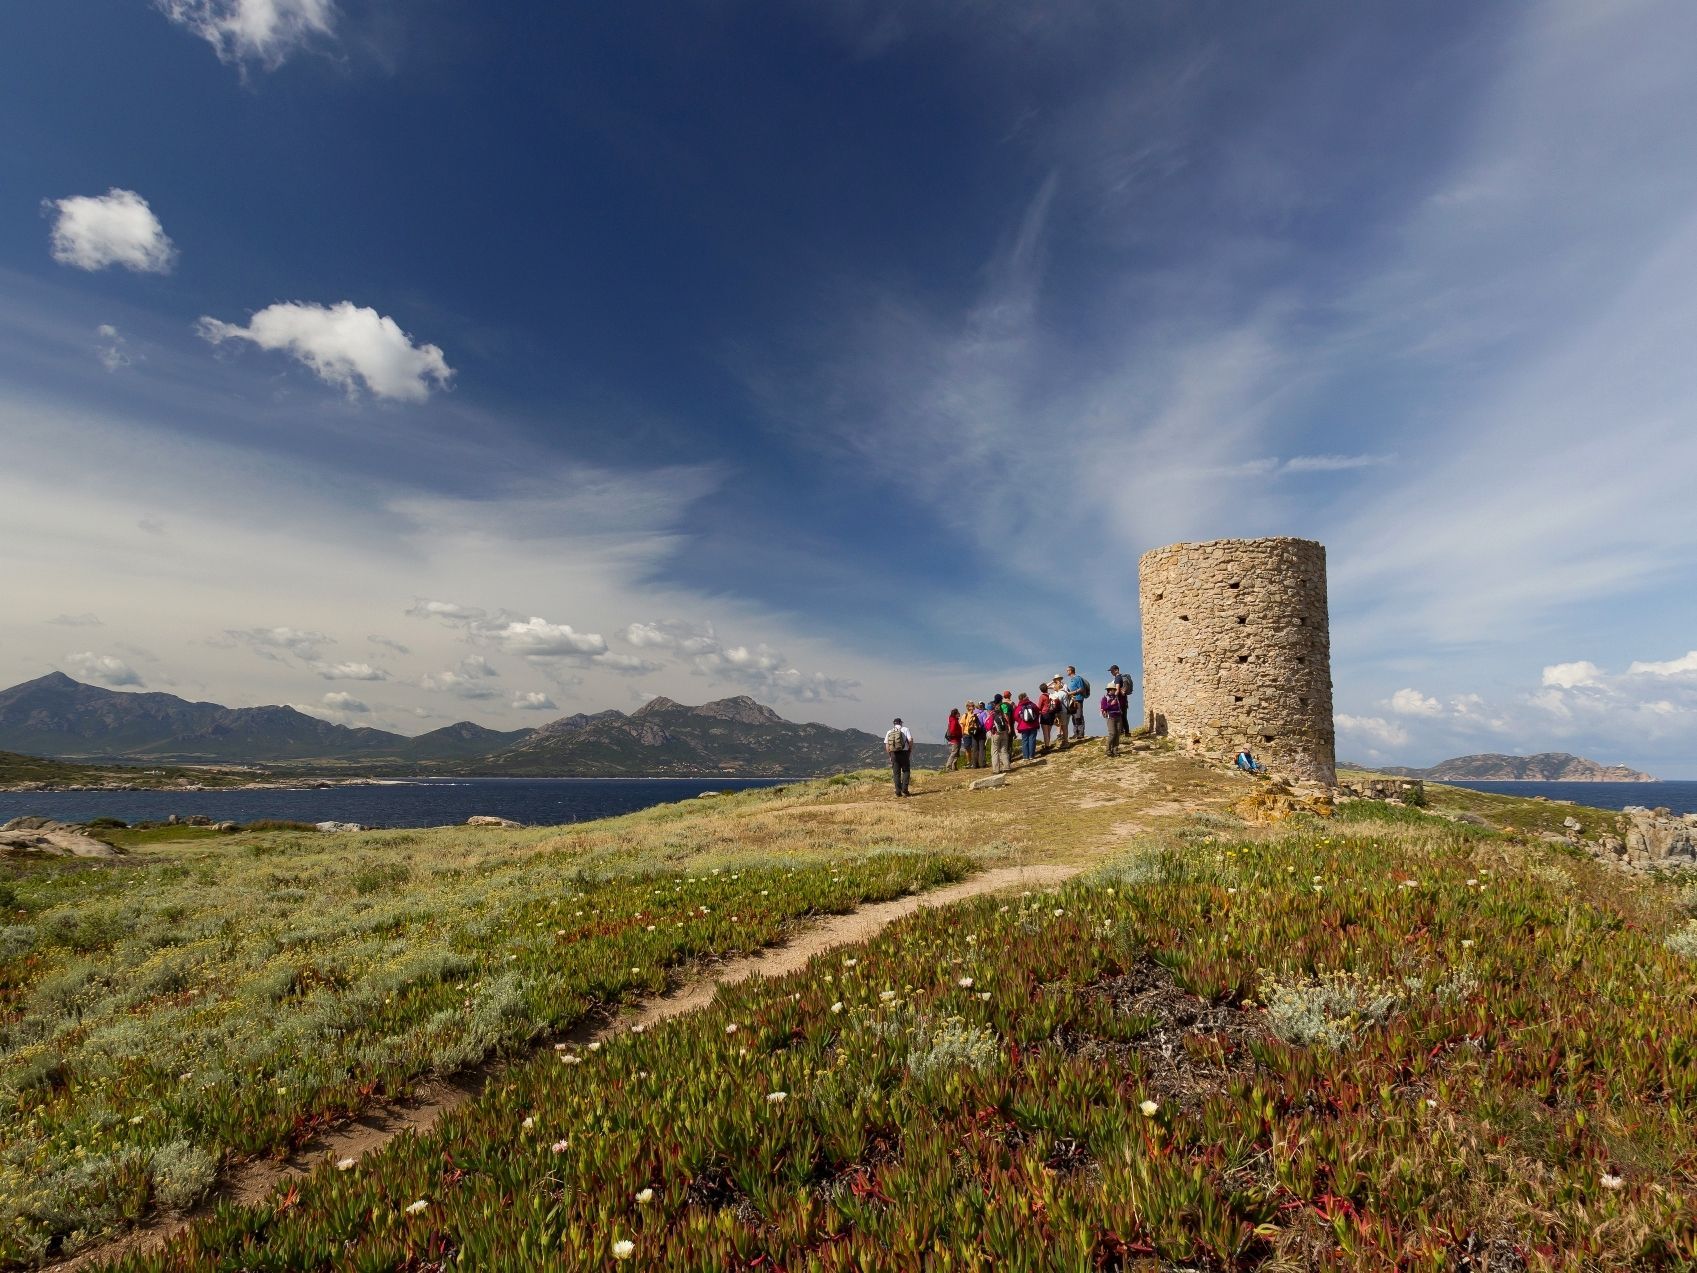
(262, 784)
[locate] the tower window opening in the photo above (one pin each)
(1184, 618)
(1243, 618)
(1237, 698)
(1233, 584)
(1266, 738)
(1243, 658)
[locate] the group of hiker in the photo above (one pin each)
(984, 733)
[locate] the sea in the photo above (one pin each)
(1676, 797)
(428, 802)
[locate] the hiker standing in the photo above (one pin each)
(1045, 714)
(981, 714)
(1025, 719)
(1001, 736)
(1078, 689)
(952, 735)
(1124, 681)
(1113, 711)
(898, 744)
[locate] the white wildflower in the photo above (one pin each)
(1611, 1181)
(837, 1006)
(345, 1164)
(528, 1123)
(559, 1147)
(413, 1208)
(645, 1196)
(965, 983)
(1150, 1109)
(624, 1248)
(777, 1098)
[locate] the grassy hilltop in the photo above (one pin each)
(1382, 1037)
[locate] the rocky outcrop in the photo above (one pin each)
(23, 836)
(1546, 766)
(490, 820)
(1408, 790)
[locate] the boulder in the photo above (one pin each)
(1572, 824)
(990, 783)
(490, 820)
(54, 839)
(1660, 838)
(339, 826)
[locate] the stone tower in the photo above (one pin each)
(1237, 651)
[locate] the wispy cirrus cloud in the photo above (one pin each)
(266, 32)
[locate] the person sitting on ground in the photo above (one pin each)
(1025, 725)
(1247, 762)
(1113, 712)
(952, 735)
(898, 745)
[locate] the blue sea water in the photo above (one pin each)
(1678, 797)
(425, 803)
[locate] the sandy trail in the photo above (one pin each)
(252, 1182)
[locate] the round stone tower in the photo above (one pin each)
(1237, 651)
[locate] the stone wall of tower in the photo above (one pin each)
(1237, 652)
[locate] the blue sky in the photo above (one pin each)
(413, 361)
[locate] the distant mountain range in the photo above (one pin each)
(1546, 766)
(57, 716)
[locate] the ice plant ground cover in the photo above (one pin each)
(213, 1000)
(1497, 1071)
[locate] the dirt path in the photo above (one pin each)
(252, 1182)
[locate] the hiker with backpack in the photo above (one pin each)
(898, 744)
(972, 722)
(953, 733)
(1025, 718)
(1078, 689)
(1113, 711)
(1001, 736)
(1124, 681)
(1046, 713)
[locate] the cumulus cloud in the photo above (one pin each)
(1374, 730)
(344, 345)
(351, 672)
(1569, 676)
(468, 680)
(1411, 702)
(91, 232)
(84, 620)
(1685, 665)
(262, 31)
(101, 669)
(672, 634)
(273, 643)
(341, 701)
(533, 701)
(447, 611)
(112, 349)
(766, 671)
(535, 637)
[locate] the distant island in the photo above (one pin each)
(102, 737)
(1546, 766)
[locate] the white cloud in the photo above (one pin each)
(351, 672)
(84, 620)
(1331, 463)
(1411, 702)
(102, 669)
(1569, 676)
(1685, 665)
(264, 31)
(92, 232)
(344, 345)
(113, 350)
(271, 643)
(672, 634)
(533, 701)
(390, 644)
(447, 611)
(535, 637)
(1373, 729)
(468, 680)
(341, 701)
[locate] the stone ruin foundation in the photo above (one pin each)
(1237, 652)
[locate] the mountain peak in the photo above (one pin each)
(742, 709)
(659, 703)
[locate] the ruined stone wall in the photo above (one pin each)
(1237, 651)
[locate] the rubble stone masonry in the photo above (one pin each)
(1237, 652)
